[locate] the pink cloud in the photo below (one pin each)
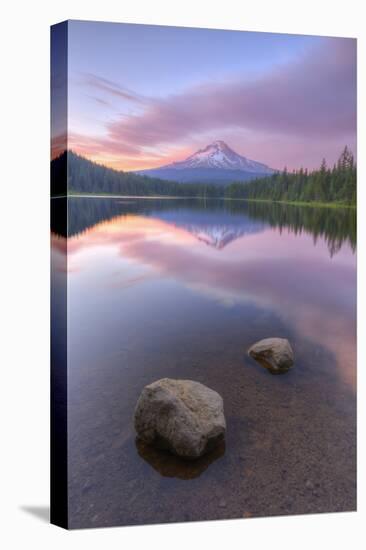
(310, 101)
(58, 145)
(89, 145)
(316, 96)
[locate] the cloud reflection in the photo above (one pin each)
(302, 285)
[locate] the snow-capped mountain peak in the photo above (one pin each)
(216, 164)
(219, 155)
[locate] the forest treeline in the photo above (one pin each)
(336, 184)
(75, 174)
(325, 185)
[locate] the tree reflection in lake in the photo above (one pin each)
(181, 289)
(334, 225)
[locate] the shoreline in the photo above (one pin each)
(170, 197)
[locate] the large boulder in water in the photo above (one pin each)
(182, 416)
(275, 354)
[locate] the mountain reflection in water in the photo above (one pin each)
(233, 218)
(181, 288)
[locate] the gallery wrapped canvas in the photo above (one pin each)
(203, 289)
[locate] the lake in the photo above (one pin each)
(181, 289)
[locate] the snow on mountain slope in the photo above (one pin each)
(219, 155)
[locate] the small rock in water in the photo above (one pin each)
(222, 503)
(275, 354)
(182, 416)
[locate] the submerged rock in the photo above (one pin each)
(275, 354)
(182, 416)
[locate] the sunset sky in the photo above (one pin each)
(143, 96)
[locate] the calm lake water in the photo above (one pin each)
(181, 289)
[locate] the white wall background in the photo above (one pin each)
(24, 273)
